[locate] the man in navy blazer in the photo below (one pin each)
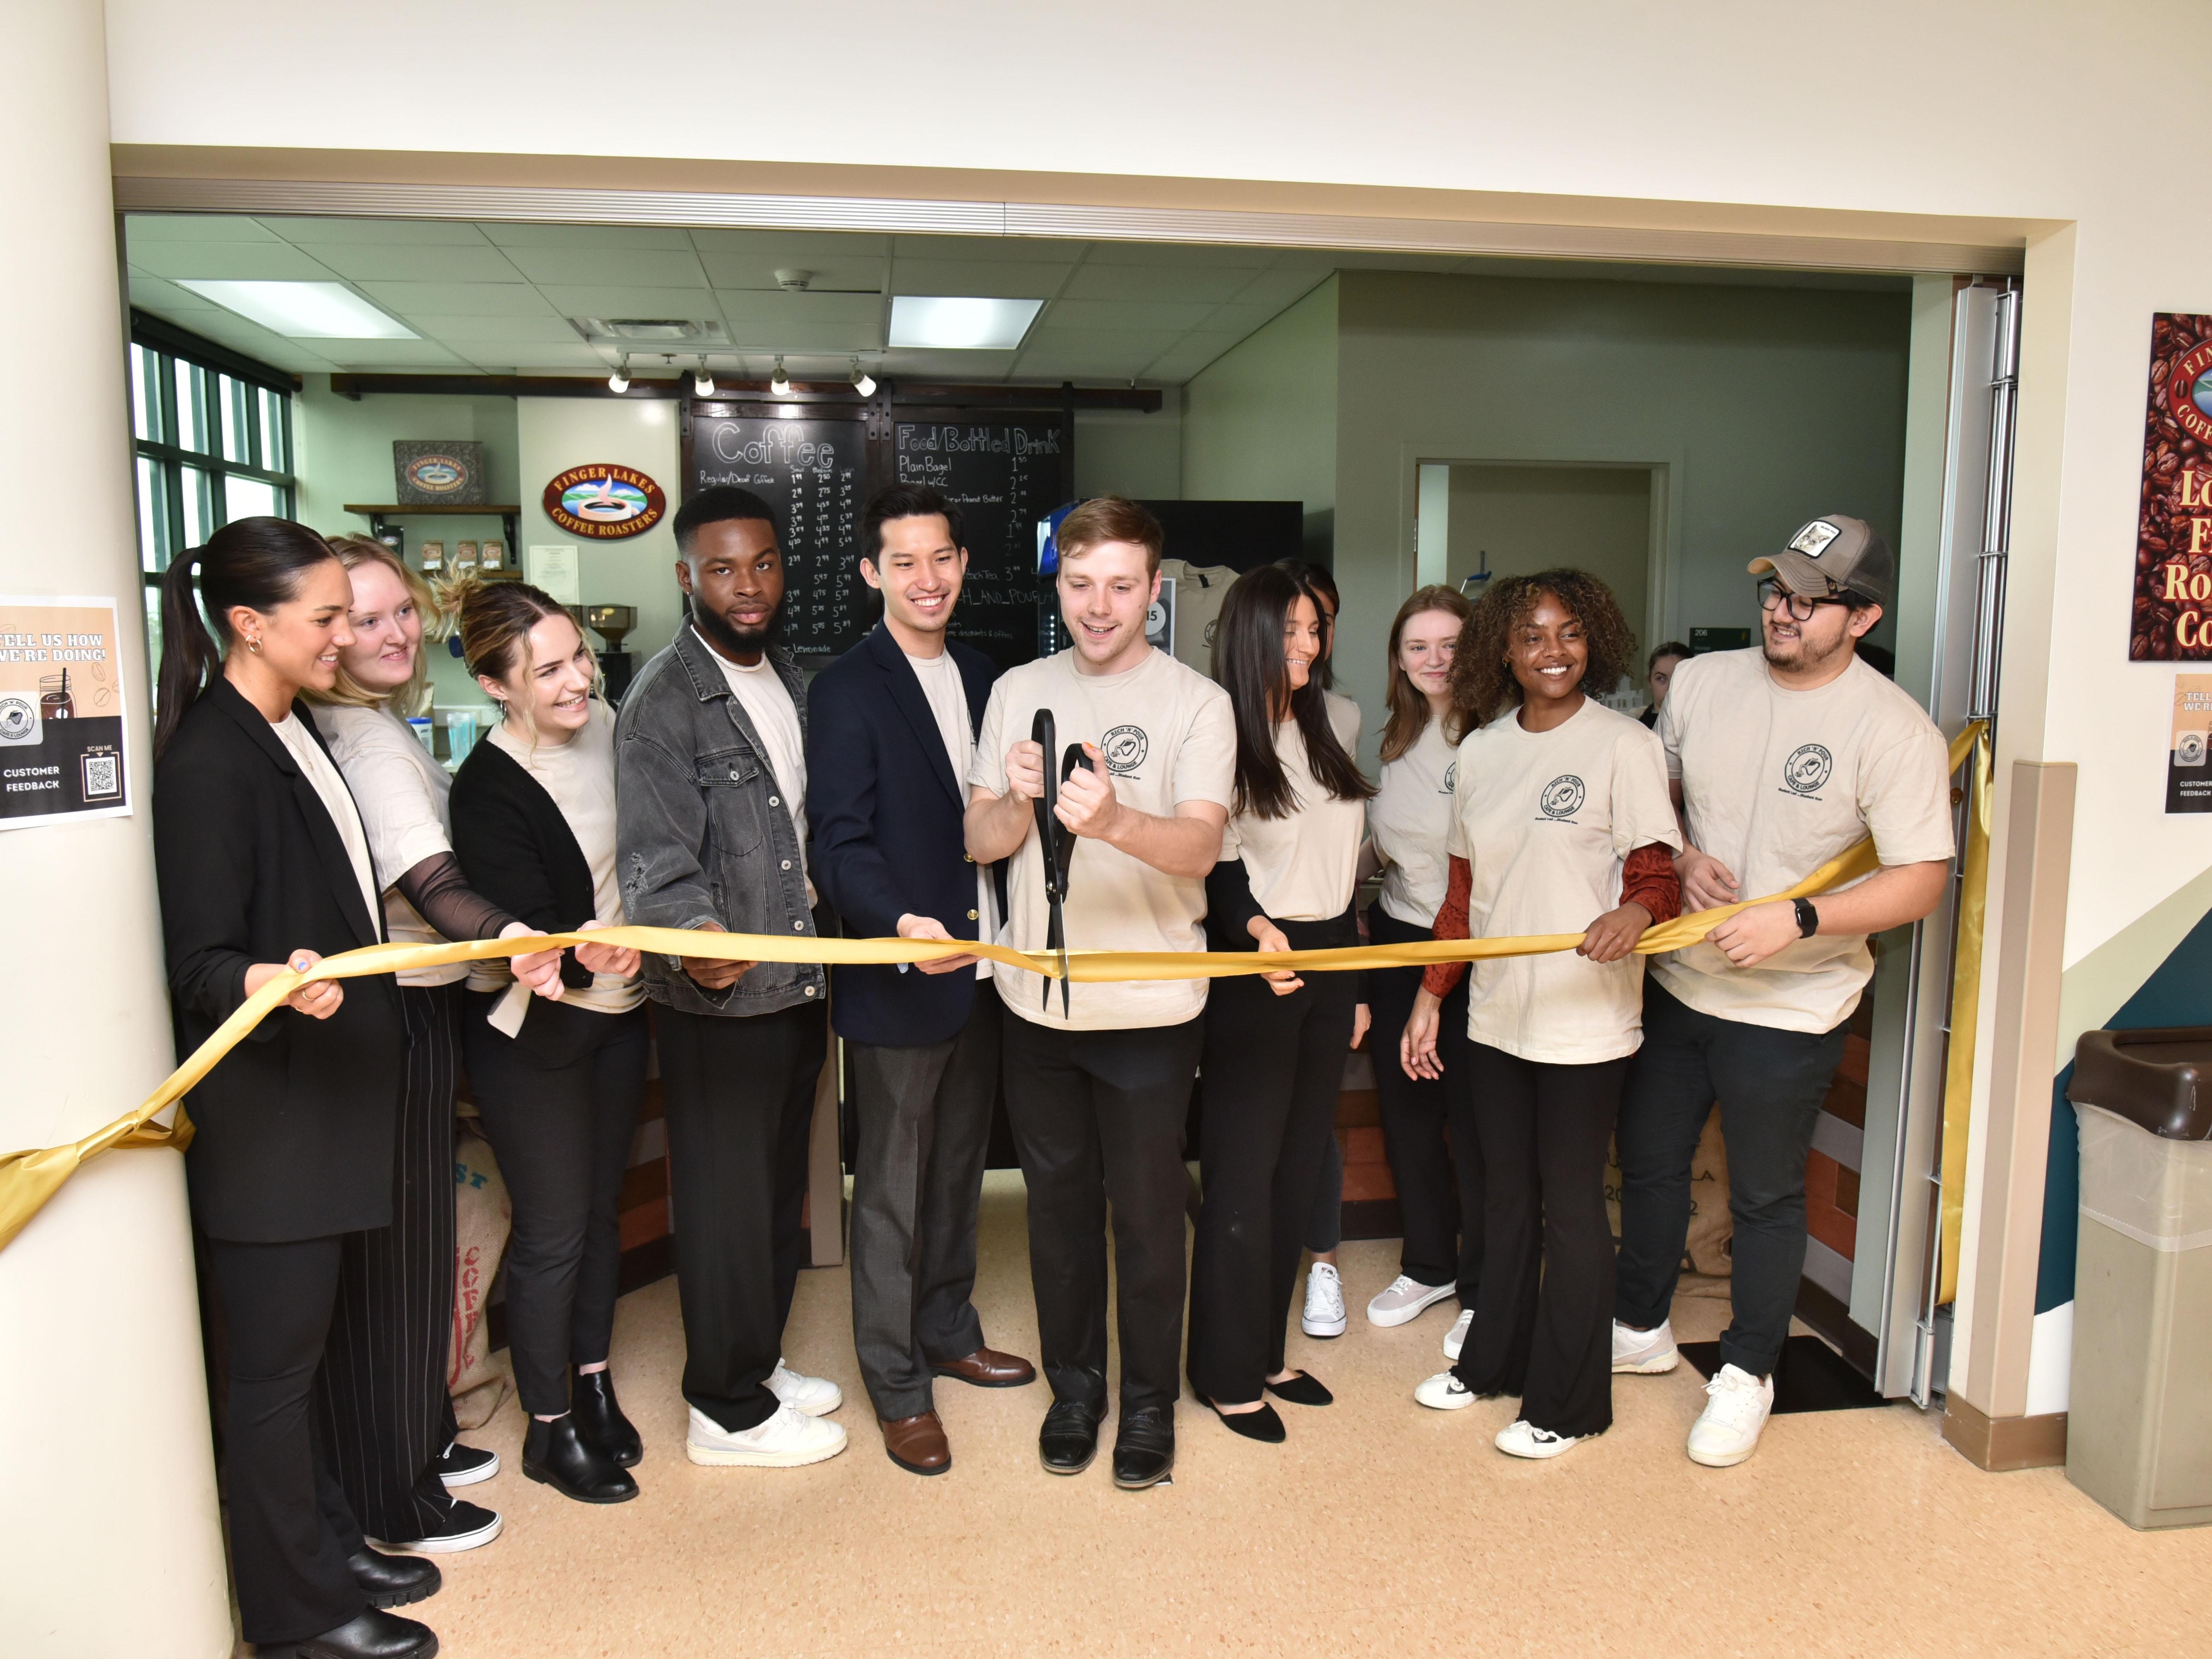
(892, 728)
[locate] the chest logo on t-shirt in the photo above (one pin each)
(1808, 767)
(1451, 780)
(1562, 796)
(1125, 749)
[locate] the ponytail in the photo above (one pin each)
(255, 563)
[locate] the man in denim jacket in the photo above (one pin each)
(711, 790)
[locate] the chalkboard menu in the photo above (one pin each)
(814, 472)
(1003, 475)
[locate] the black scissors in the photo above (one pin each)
(1056, 841)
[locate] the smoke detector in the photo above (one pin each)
(794, 282)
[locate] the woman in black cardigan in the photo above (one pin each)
(264, 863)
(557, 1083)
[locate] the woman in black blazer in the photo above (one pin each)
(557, 1083)
(264, 863)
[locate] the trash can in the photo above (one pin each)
(2139, 1423)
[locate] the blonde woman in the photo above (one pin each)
(386, 1412)
(556, 1082)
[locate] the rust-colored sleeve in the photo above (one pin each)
(1648, 878)
(1451, 923)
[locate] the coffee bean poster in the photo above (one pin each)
(61, 712)
(2189, 753)
(2171, 617)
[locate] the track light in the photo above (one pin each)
(863, 382)
(618, 382)
(703, 382)
(781, 385)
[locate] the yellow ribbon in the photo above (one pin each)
(28, 1179)
(1965, 1007)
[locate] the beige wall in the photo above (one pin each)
(1260, 423)
(1122, 453)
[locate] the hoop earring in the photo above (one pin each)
(254, 646)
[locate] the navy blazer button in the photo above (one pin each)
(971, 915)
(967, 858)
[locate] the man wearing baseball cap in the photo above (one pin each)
(1780, 758)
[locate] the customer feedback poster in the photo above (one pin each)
(61, 712)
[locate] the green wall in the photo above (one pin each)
(1261, 423)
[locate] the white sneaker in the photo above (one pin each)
(1455, 1338)
(1644, 1353)
(817, 1397)
(1324, 1314)
(1521, 1438)
(1445, 1393)
(786, 1440)
(1736, 1407)
(1403, 1299)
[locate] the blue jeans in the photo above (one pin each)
(1770, 1084)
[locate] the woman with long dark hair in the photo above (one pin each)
(557, 1083)
(1273, 1059)
(1561, 823)
(382, 1391)
(1439, 1179)
(263, 865)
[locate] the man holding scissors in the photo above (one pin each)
(1098, 1083)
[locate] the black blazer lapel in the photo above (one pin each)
(329, 847)
(906, 696)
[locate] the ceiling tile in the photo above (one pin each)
(629, 267)
(165, 299)
(1176, 254)
(412, 232)
(957, 367)
(226, 328)
(269, 261)
(691, 304)
(374, 262)
(597, 237)
(791, 336)
(530, 357)
(978, 248)
(548, 329)
(1240, 319)
(1159, 316)
(1185, 284)
(755, 314)
(757, 271)
(1086, 354)
(407, 299)
(1280, 286)
(1188, 356)
(1002, 279)
(784, 247)
(193, 227)
(390, 354)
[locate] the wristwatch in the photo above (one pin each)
(1808, 919)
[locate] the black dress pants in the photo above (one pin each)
(1098, 1118)
(1770, 1084)
(291, 1529)
(1439, 1179)
(923, 1115)
(1543, 1317)
(385, 1414)
(1273, 1068)
(559, 1105)
(740, 1091)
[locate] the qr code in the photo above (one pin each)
(103, 776)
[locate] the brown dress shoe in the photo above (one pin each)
(917, 1444)
(986, 1368)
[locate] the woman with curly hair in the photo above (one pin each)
(1560, 814)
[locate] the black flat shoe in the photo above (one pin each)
(393, 1581)
(1262, 1425)
(559, 1453)
(1069, 1439)
(592, 1403)
(1302, 1389)
(464, 1466)
(374, 1634)
(1143, 1449)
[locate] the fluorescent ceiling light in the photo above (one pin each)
(304, 311)
(951, 324)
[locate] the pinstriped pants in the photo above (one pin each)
(381, 1391)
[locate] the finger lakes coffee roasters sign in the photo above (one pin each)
(2171, 617)
(605, 502)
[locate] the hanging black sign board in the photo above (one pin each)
(1004, 473)
(814, 472)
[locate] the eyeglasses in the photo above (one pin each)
(1772, 593)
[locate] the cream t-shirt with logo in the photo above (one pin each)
(1168, 737)
(1774, 783)
(1546, 820)
(1304, 867)
(1408, 820)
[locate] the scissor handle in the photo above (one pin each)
(1042, 732)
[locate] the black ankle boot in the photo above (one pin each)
(592, 1403)
(562, 1456)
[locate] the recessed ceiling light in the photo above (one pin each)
(938, 324)
(304, 311)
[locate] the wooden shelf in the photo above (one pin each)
(402, 509)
